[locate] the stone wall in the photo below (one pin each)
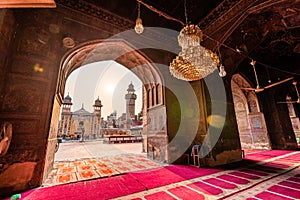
(31, 49)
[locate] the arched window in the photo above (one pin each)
(148, 98)
(153, 96)
(157, 94)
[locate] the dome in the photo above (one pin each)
(98, 103)
(130, 88)
(81, 111)
(67, 100)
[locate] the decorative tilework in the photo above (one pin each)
(72, 171)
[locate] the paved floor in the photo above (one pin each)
(77, 161)
(94, 149)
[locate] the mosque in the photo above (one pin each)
(219, 76)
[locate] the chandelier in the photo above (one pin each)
(194, 62)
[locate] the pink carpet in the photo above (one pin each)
(122, 185)
(205, 188)
(170, 174)
(244, 175)
(95, 189)
(254, 172)
(297, 180)
(159, 195)
(290, 184)
(233, 179)
(269, 196)
(220, 183)
(285, 191)
(185, 193)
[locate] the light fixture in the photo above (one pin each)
(139, 28)
(194, 62)
(222, 72)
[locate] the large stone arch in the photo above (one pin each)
(122, 52)
(109, 49)
(251, 123)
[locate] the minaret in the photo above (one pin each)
(97, 119)
(130, 103)
(97, 107)
(67, 104)
(66, 116)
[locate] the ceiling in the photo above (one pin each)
(266, 31)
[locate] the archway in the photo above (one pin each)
(294, 118)
(121, 52)
(251, 123)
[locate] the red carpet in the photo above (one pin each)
(270, 196)
(185, 193)
(233, 179)
(189, 172)
(95, 189)
(285, 191)
(254, 172)
(205, 188)
(220, 183)
(158, 196)
(226, 184)
(170, 174)
(243, 175)
(122, 185)
(156, 177)
(290, 184)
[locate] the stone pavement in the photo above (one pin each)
(94, 149)
(76, 161)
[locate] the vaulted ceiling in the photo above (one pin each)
(266, 31)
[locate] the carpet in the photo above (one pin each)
(220, 183)
(183, 182)
(290, 184)
(163, 176)
(79, 170)
(205, 188)
(269, 196)
(185, 193)
(233, 179)
(95, 189)
(285, 191)
(158, 196)
(254, 172)
(244, 175)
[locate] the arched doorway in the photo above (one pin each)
(121, 52)
(294, 118)
(251, 123)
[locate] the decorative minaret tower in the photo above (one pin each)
(130, 104)
(97, 118)
(66, 117)
(97, 107)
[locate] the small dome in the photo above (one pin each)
(98, 103)
(67, 100)
(130, 88)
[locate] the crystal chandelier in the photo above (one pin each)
(194, 62)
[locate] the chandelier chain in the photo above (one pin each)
(185, 12)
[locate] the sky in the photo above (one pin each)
(107, 80)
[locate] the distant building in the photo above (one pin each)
(112, 120)
(81, 123)
(130, 105)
